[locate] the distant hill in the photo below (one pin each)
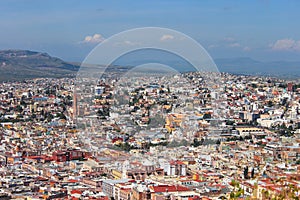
(238, 65)
(245, 65)
(24, 64)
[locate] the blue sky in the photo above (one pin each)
(69, 29)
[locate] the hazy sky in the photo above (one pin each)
(69, 29)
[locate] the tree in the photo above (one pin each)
(49, 117)
(270, 103)
(229, 122)
(237, 191)
(196, 142)
(19, 109)
(207, 116)
(61, 116)
(23, 103)
(266, 194)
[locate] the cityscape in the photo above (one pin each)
(112, 120)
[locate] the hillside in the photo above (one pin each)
(24, 64)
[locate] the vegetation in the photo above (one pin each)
(29, 64)
(237, 191)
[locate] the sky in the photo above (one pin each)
(69, 29)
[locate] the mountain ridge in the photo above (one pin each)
(249, 66)
(23, 64)
(27, 64)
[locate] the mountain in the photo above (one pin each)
(249, 66)
(238, 65)
(24, 64)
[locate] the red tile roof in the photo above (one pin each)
(76, 192)
(72, 181)
(168, 188)
(176, 162)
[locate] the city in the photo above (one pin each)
(176, 152)
(149, 100)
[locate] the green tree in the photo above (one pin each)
(207, 116)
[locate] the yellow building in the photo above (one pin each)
(116, 174)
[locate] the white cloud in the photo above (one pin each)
(229, 39)
(166, 37)
(235, 44)
(127, 43)
(286, 45)
(230, 42)
(246, 48)
(130, 43)
(96, 38)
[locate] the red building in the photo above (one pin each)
(63, 156)
(290, 87)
